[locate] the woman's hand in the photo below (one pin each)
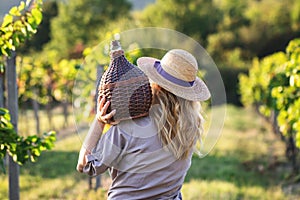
(101, 112)
(82, 159)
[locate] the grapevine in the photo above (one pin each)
(273, 86)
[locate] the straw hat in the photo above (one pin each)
(177, 73)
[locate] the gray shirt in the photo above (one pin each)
(141, 168)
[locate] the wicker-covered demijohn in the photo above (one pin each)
(125, 86)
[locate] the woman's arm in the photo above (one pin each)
(89, 143)
(94, 133)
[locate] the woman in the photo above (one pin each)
(148, 157)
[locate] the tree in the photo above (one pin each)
(252, 28)
(191, 17)
(273, 87)
(42, 36)
(80, 21)
(21, 149)
(270, 30)
(19, 24)
(226, 40)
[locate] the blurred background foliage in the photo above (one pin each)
(247, 39)
(233, 32)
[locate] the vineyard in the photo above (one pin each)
(53, 52)
(256, 171)
(273, 87)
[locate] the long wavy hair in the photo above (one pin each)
(179, 122)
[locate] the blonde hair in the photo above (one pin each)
(179, 122)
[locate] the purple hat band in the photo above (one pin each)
(171, 78)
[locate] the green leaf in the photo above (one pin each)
(32, 139)
(30, 28)
(18, 24)
(21, 149)
(5, 51)
(15, 11)
(37, 14)
(3, 111)
(13, 146)
(16, 40)
(24, 31)
(32, 158)
(8, 19)
(30, 19)
(15, 157)
(21, 6)
(22, 38)
(8, 35)
(9, 44)
(37, 152)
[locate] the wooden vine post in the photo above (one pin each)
(18, 25)
(12, 105)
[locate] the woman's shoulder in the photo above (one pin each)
(137, 126)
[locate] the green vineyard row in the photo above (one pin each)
(273, 87)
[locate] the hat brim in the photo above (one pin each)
(197, 92)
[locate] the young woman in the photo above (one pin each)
(148, 157)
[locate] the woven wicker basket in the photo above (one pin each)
(125, 86)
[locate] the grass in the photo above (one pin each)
(247, 163)
(27, 123)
